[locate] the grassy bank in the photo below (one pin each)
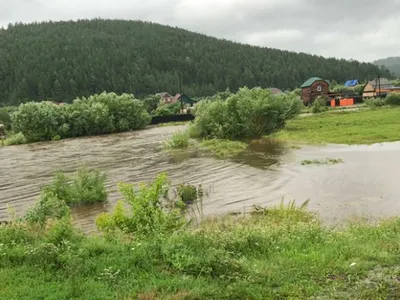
(275, 254)
(356, 127)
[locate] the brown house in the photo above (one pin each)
(313, 88)
(379, 87)
(165, 97)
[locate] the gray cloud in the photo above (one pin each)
(362, 30)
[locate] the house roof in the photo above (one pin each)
(383, 82)
(163, 94)
(353, 82)
(310, 81)
(275, 91)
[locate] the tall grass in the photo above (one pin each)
(179, 140)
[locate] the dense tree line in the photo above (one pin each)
(64, 60)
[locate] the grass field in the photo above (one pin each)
(355, 127)
(280, 253)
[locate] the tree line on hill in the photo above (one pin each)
(63, 60)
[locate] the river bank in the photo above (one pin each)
(281, 252)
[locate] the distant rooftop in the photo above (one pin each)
(310, 81)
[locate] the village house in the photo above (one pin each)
(379, 87)
(165, 97)
(313, 88)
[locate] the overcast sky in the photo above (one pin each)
(363, 30)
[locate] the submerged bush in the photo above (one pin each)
(248, 113)
(85, 187)
(148, 214)
(393, 99)
(98, 114)
(16, 139)
(178, 140)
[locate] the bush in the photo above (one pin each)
(16, 139)
(178, 140)
(377, 102)
(6, 116)
(248, 113)
(319, 105)
(149, 215)
(98, 114)
(393, 99)
(168, 109)
(85, 187)
(151, 103)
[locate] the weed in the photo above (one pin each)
(327, 161)
(179, 140)
(16, 139)
(224, 148)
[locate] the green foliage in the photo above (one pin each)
(85, 187)
(248, 113)
(148, 214)
(319, 105)
(168, 109)
(189, 194)
(5, 116)
(179, 140)
(328, 161)
(142, 58)
(352, 127)
(280, 252)
(98, 114)
(375, 102)
(393, 99)
(151, 103)
(16, 139)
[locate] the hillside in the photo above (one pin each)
(392, 63)
(62, 60)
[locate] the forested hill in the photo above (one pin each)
(392, 63)
(62, 60)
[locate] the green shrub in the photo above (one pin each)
(168, 109)
(85, 187)
(179, 140)
(376, 102)
(16, 139)
(149, 215)
(224, 148)
(248, 113)
(6, 116)
(98, 114)
(393, 99)
(151, 103)
(319, 105)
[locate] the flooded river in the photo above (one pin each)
(365, 184)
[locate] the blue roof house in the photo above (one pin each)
(350, 83)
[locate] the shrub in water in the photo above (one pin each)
(16, 139)
(248, 113)
(148, 216)
(178, 140)
(98, 114)
(393, 99)
(85, 187)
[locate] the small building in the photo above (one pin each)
(379, 87)
(313, 88)
(165, 97)
(351, 83)
(184, 98)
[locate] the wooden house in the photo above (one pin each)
(165, 97)
(379, 87)
(185, 99)
(313, 88)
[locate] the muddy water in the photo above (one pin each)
(366, 184)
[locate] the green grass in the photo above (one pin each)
(224, 148)
(278, 253)
(355, 127)
(327, 161)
